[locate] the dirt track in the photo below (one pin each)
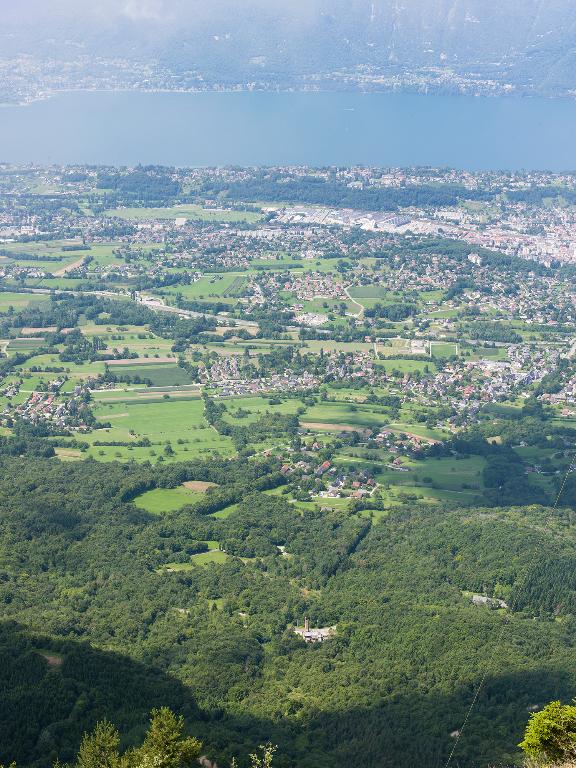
(69, 268)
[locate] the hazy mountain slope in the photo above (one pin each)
(516, 39)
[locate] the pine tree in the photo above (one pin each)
(99, 749)
(164, 745)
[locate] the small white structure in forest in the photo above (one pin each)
(314, 635)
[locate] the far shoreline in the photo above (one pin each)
(431, 93)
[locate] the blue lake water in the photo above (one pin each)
(204, 129)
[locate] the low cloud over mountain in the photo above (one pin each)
(522, 40)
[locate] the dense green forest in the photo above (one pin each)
(95, 625)
(319, 192)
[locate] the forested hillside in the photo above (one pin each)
(95, 627)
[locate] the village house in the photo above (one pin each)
(318, 635)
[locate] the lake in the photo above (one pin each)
(258, 128)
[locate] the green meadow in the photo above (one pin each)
(406, 366)
(19, 300)
(162, 500)
(333, 414)
(446, 478)
(213, 556)
(226, 287)
(176, 429)
(192, 212)
(160, 374)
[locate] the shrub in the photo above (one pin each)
(550, 735)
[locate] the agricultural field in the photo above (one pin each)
(140, 393)
(376, 292)
(135, 338)
(16, 346)
(19, 300)
(251, 408)
(406, 366)
(58, 283)
(188, 212)
(329, 305)
(441, 474)
(333, 417)
(47, 257)
(419, 430)
(225, 288)
(74, 370)
(328, 345)
(179, 424)
(158, 374)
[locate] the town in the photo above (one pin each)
(362, 349)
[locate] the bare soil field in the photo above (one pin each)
(198, 485)
(319, 426)
(143, 361)
(31, 331)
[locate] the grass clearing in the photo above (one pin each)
(69, 454)
(53, 658)
(214, 556)
(163, 500)
(223, 514)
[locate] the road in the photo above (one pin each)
(156, 305)
(358, 314)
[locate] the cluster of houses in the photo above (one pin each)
(351, 365)
(11, 271)
(401, 442)
(337, 483)
(565, 396)
(282, 382)
(47, 407)
(468, 384)
(313, 285)
(340, 485)
(224, 369)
